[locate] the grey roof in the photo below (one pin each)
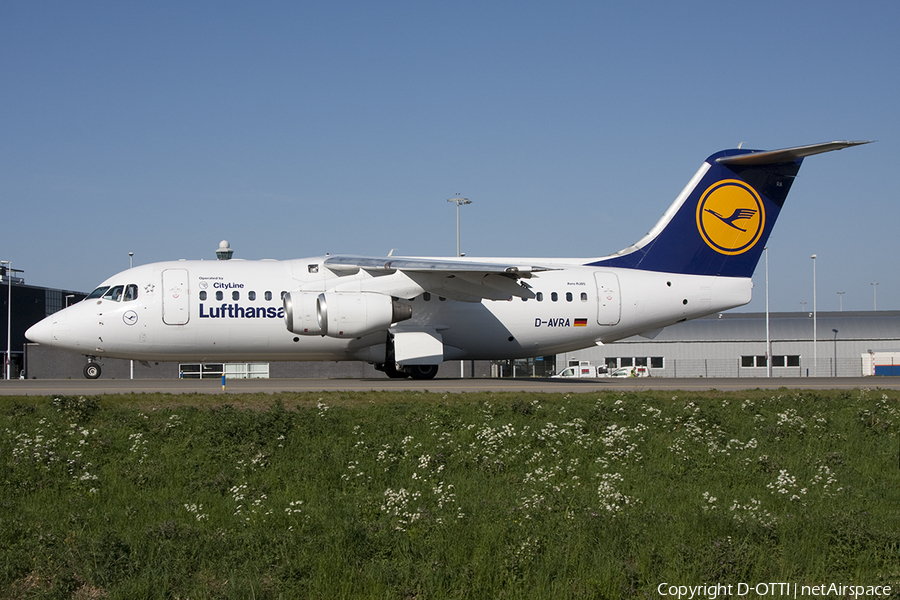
(851, 325)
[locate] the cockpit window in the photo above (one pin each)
(114, 293)
(131, 292)
(98, 293)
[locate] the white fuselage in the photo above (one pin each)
(233, 311)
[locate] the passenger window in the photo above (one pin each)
(554, 296)
(220, 295)
(251, 296)
(131, 292)
(114, 293)
(426, 296)
(539, 296)
(584, 296)
(203, 295)
(268, 295)
(568, 296)
(235, 295)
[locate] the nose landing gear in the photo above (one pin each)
(91, 369)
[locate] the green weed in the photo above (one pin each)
(416, 495)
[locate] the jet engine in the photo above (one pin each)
(342, 314)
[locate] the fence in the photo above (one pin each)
(230, 370)
(731, 367)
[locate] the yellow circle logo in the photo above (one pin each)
(730, 216)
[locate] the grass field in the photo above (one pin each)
(418, 495)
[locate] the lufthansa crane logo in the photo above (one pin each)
(730, 216)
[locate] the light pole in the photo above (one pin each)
(9, 271)
(841, 296)
(459, 201)
(874, 295)
(131, 362)
(835, 351)
(768, 338)
(815, 336)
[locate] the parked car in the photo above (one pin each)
(631, 372)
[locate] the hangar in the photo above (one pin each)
(733, 344)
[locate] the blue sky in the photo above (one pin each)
(294, 129)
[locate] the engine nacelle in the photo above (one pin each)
(342, 314)
(301, 313)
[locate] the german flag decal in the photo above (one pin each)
(580, 322)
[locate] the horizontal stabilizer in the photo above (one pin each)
(776, 157)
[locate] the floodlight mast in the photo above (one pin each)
(459, 201)
(815, 336)
(9, 271)
(768, 337)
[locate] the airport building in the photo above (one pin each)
(24, 305)
(733, 344)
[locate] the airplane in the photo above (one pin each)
(407, 315)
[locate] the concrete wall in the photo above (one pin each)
(43, 362)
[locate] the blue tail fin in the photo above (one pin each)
(720, 223)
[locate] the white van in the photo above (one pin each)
(585, 369)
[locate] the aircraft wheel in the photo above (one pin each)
(393, 373)
(423, 371)
(92, 370)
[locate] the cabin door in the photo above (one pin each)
(176, 297)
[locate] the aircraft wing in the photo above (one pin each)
(429, 265)
(465, 280)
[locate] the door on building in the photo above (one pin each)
(176, 297)
(609, 302)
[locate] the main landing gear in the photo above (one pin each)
(389, 366)
(416, 371)
(423, 371)
(91, 369)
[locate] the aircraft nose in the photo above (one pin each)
(41, 332)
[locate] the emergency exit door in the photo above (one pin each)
(609, 300)
(176, 297)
